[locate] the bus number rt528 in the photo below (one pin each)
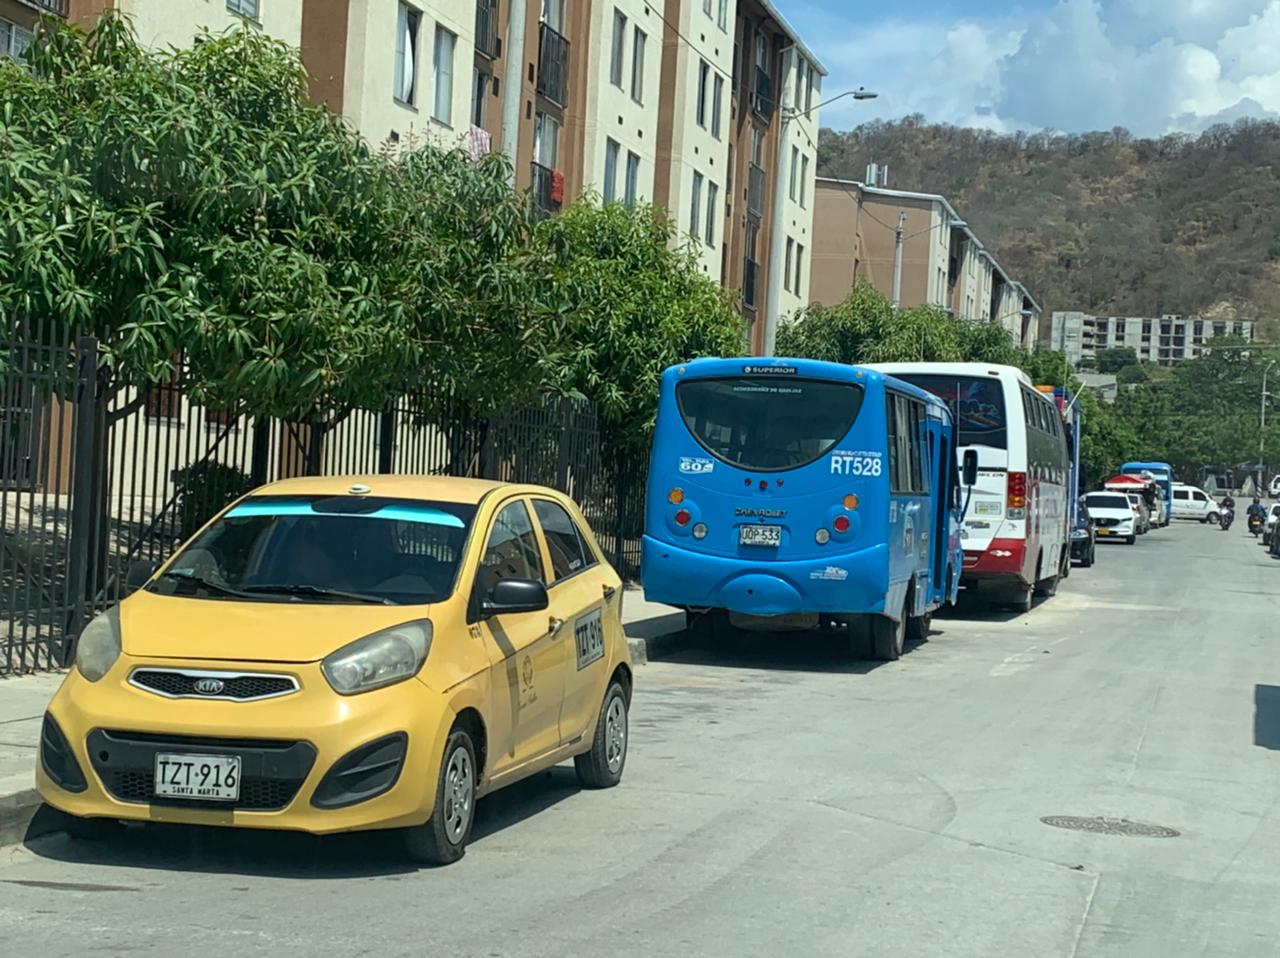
(856, 465)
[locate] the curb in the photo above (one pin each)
(20, 817)
(646, 650)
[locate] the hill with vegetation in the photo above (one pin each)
(1107, 223)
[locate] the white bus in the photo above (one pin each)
(1016, 534)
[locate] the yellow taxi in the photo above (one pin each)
(336, 654)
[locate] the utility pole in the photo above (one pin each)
(513, 94)
(1262, 428)
(897, 261)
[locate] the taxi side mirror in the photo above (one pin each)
(970, 468)
(515, 595)
(139, 574)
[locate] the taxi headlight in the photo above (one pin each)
(383, 658)
(99, 645)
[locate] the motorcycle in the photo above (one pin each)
(1255, 525)
(1225, 518)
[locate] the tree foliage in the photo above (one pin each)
(212, 227)
(1116, 358)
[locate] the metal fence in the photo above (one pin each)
(93, 479)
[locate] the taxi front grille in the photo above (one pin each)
(201, 684)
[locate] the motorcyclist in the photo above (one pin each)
(1227, 503)
(1257, 509)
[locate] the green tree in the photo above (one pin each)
(631, 301)
(1131, 375)
(1115, 359)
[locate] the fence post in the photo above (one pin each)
(261, 450)
(84, 477)
(565, 410)
(386, 439)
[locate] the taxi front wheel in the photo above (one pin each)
(602, 766)
(442, 839)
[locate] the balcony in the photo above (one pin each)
(487, 28)
(762, 95)
(750, 280)
(755, 190)
(544, 190)
(58, 8)
(553, 65)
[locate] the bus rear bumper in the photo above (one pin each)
(850, 582)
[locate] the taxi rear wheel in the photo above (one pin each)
(602, 766)
(442, 839)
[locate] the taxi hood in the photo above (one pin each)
(183, 627)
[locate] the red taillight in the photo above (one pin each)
(841, 524)
(683, 517)
(1016, 491)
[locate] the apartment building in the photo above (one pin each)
(938, 262)
(1162, 340)
(776, 89)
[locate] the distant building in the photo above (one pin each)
(1164, 341)
(1106, 386)
(943, 263)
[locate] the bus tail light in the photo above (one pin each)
(1016, 494)
(841, 524)
(700, 530)
(822, 537)
(683, 517)
(675, 496)
(851, 501)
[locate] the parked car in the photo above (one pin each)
(1141, 510)
(1113, 516)
(1269, 528)
(1191, 502)
(1275, 487)
(347, 654)
(1084, 545)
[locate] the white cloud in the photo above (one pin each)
(1150, 65)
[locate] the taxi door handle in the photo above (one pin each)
(609, 592)
(554, 627)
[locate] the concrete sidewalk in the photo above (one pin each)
(650, 627)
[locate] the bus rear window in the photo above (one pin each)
(768, 425)
(976, 402)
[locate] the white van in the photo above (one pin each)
(1191, 502)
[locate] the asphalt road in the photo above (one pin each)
(780, 802)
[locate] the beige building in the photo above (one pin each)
(1162, 340)
(942, 262)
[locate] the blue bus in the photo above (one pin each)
(1162, 473)
(796, 494)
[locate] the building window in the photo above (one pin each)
(791, 252)
(479, 96)
(799, 87)
(713, 198)
(407, 54)
(808, 88)
(799, 269)
(795, 169)
(704, 76)
(14, 41)
(243, 8)
(546, 140)
(637, 66)
(722, 18)
(445, 43)
(717, 94)
(611, 153)
(633, 179)
(804, 180)
(695, 205)
(553, 14)
(706, 7)
(619, 51)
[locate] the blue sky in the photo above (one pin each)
(1154, 66)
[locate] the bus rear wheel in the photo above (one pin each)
(888, 636)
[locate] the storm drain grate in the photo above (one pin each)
(1110, 826)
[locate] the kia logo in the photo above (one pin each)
(210, 686)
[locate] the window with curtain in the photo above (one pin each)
(609, 189)
(406, 64)
(637, 66)
(633, 180)
(619, 48)
(445, 44)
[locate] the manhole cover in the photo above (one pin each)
(1110, 826)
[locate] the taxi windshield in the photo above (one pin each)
(342, 549)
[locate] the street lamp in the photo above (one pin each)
(1262, 426)
(858, 94)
